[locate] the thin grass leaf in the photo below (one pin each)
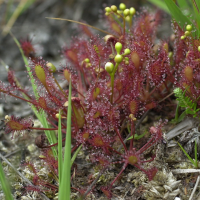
(64, 188)
(184, 4)
(75, 154)
(84, 24)
(198, 4)
(40, 115)
(197, 15)
(191, 160)
(161, 5)
(14, 17)
(60, 158)
(180, 18)
(5, 185)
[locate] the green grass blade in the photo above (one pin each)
(180, 18)
(198, 4)
(60, 158)
(192, 161)
(64, 188)
(75, 154)
(40, 115)
(161, 5)
(197, 15)
(5, 185)
(183, 4)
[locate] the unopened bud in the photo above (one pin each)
(127, 51)
(128, 19)
(114, 8)
(109, 67)
(126, 12)
(51, 67)
(132, 11)
(187, 33)
(122, 6)
(189, 27)
(87, 60)
(182, 37)
(118, 58)
(107, 9)
(118, 47)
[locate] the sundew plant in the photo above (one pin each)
(115, 81)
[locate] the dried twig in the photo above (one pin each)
(94, 182)
(184, 171)
(195, 187)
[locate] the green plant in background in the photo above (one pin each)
(5, 185)
(183, 11)
(11, 16)
(187, 103)
(194, 162)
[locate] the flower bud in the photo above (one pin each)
(199, 48)
(132, 11)
(87, 60)
(114, 8)
(128, 19)
(170, 54)
(127, 51)
(109, 67)
(183, 37)
(126, 12)
(189, 27)
(118, 47)
(118, 58)
(122, 6)
(107, 9)
(187, 33)
(51, 67)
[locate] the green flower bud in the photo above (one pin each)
(107, 9)
(199, 48)
(128, 19)
(132, 11)
(127, 51)
(122, 6)
(170, 54)
(126, 59)
(189, 27)
(118, 58)
(51, 67)
(87, 60)
(183, 37)
(126, 62)
(126, 12)
(118, 47)
(114, 8)
(109, 67)
(187, 33)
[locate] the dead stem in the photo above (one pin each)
(69, 20)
